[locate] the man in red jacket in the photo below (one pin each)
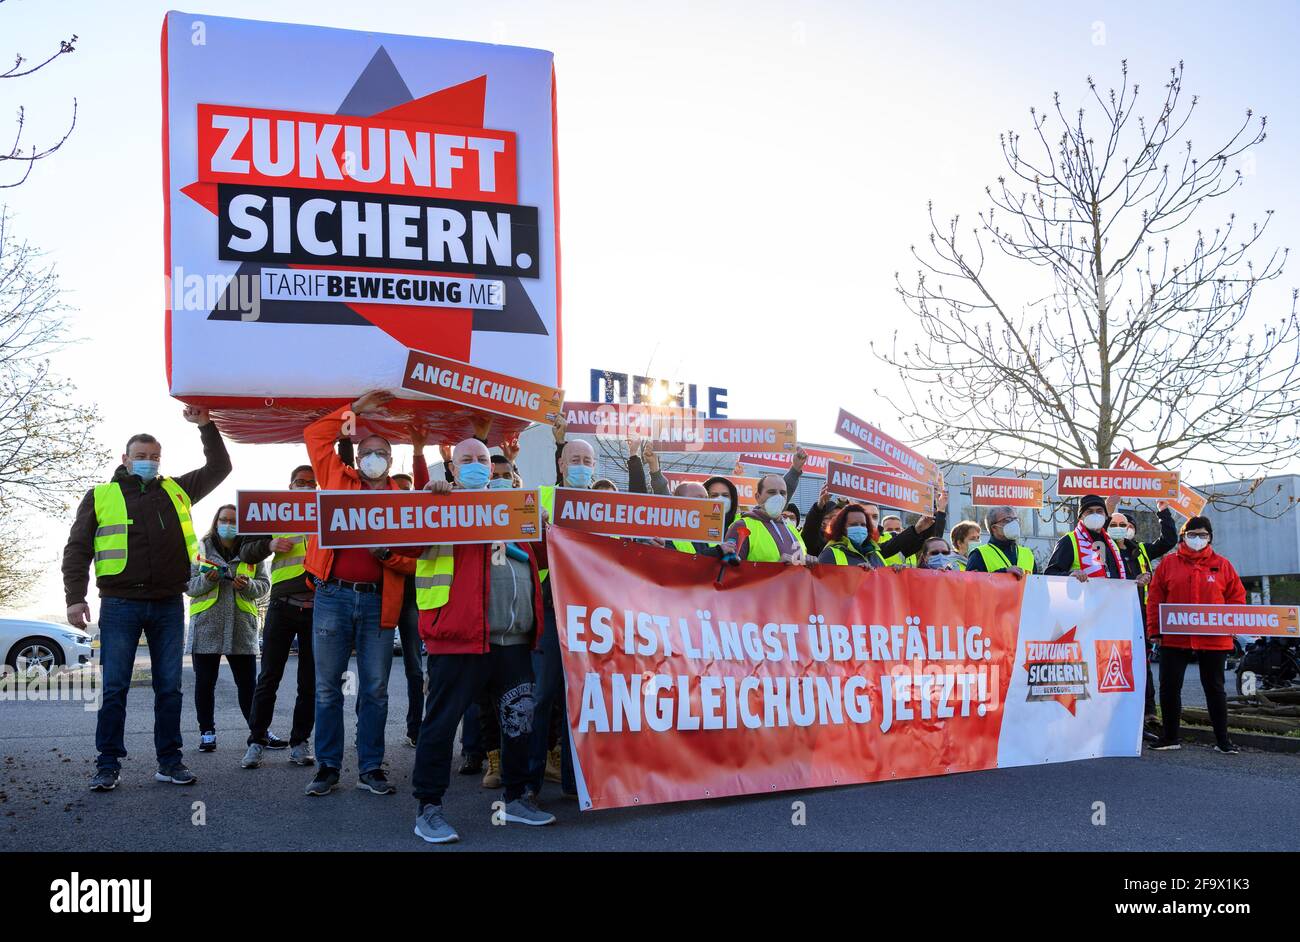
(1193, 575)
(480, 619)
(356, 605)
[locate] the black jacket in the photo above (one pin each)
(157, 562)
(1168, 540)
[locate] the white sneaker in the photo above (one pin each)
(253, 757)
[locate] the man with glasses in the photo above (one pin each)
(1002, 552)
(356, 606)
(288, 617)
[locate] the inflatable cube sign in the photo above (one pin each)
(335, 199)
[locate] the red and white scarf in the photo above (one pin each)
(1090, 560)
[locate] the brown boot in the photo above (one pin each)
(492, 777)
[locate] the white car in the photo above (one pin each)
(26, 645)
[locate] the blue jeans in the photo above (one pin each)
(344, 620)
(120, 623)
(548, 669)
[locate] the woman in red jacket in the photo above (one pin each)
(1193, 575)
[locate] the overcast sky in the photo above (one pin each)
(761, 168)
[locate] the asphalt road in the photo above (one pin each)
(1194, 799)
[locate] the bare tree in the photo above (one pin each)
(20, 156)
(48, 453)
(1089, 310)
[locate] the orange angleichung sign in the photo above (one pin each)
(746, 488)
(1011, 492)
(729, 435)
(875, 487)
(1077, 482)
(673, 429)
(872, 440)
(469, 385)
(1277, 621)
(287, 513)
(1189, 503)
(645, 516)
(818, 458)
(362, 519)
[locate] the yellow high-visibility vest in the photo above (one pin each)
(111, 525)
(762, 546)
(433, 571)
(205, 602)
(995, 560)
(291, 564)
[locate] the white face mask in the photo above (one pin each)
(1197, 542)
(373, 466)
(1094, 521)
(1011, 531)
(1118, 533)
(774, 505)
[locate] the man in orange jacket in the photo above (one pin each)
(358, 601)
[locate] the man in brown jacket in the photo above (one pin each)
(137, 531)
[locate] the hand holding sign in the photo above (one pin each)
(281, 545)
(196, 415)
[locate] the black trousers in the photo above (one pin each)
(284, 622)
(1149, 707)
(408, 629)
(455, 681)
(243, 666)
(1173, 668)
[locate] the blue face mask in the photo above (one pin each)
(500, 484)
(578, 475)
(145, 470)
(939, 561)
(858, 535)
(227, 531)
(473, 476)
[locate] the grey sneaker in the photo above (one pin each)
(525, 811)
(326, 781)
(176, 774)
(253, 757)
(376, 782)
(301, 754)
(431, 826)
(105, 780)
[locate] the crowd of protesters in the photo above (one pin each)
(476, 622)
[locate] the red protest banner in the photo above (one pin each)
(1012, 492)
(873, 486)
(1077, 482)
(872, 440)
(679, 687)
(276, 512)
(639, 515)
(349, 519)
(1276, 621)
(1189, 503)
(464, 383)
(814, 467)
